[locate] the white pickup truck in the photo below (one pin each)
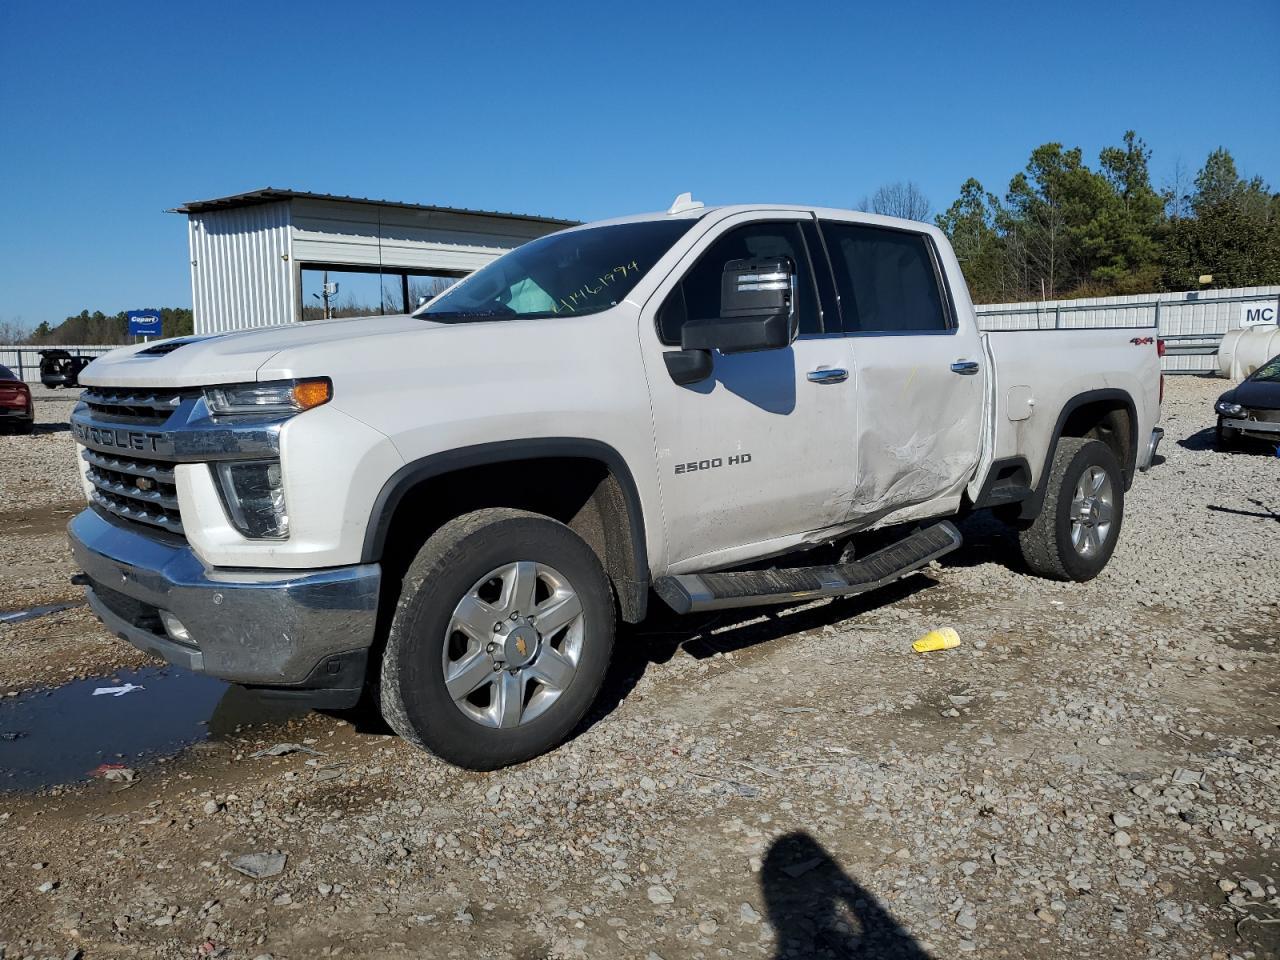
(714, 405)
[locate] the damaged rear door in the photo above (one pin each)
(919, 373)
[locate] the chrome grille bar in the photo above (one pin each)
(139, 513)
(160, 472)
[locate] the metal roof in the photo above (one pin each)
(272, 194)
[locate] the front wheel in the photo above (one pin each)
(1079, 522)
(1224, 438)
(500, 641)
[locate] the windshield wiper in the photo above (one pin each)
(465, 314)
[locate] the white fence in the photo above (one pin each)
(25, 361)
(1190, 322)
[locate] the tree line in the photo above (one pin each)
(1064, 229)
(94, 328)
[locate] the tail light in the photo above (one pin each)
(1160, 354)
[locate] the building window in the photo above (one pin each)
(329, 292)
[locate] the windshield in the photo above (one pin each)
(565, 274)
(1269, 372)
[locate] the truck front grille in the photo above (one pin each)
(143, 491)
(135, 405)
(1265, 416)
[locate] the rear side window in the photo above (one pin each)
(697, 296)
(886, 278)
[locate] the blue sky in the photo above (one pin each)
(111, 113)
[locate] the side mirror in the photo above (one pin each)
(757, 309)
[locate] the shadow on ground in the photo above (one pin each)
(818, 910)
(1206, 439)
(663, 633)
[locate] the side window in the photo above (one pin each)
(886, 279)
(697, 296)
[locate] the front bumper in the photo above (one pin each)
(1265, 429)
(303, 633)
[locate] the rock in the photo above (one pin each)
(1121, 839)
(211, 807)
(260, 866)
(1187, 776)
(708, 926)
(658, 894)
(1122, 820)
(48, 886)
(1226, 886)
(748, 913)
(1047, 917)
(969, 868)
(120, 775)
(967, 919)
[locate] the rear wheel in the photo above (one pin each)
(500, 641)
(1079, 522)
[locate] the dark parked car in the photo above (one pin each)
(1253, 408)
(60, 368)
(17, 412)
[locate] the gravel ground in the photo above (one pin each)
(1093, 772)
(39, 492)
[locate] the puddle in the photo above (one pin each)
(58, 735)
(21, 616)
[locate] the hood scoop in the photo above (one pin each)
(168, 346)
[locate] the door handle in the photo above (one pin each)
(966, 368)
(828, 375)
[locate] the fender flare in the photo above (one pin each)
(1031, 506)
(633, 590)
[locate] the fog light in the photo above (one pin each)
(174, 628)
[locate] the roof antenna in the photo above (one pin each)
(685, 202)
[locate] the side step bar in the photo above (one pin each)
(695, 592)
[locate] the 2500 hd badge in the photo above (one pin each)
(694, 465)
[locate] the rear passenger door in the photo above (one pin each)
(918, 372)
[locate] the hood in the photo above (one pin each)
(231, 357)
(1259, 394)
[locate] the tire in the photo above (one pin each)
(1223, 437)
(483, 558)
(1055, 545)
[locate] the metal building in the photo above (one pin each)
(279, 256)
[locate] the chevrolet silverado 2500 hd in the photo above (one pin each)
(713, 405)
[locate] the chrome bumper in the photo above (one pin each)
(306, 630)
(1149, 454)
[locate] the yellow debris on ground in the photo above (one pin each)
(944, 638)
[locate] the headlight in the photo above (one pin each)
(253, 493)
(274, 398)
(1229, 409)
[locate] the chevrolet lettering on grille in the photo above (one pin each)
(118, 439)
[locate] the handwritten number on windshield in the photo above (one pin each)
(581, 297)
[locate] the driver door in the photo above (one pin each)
(760, 454)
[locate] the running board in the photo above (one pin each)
(695, 592)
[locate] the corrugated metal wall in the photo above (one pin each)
(1182, 314)
(241, 268)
